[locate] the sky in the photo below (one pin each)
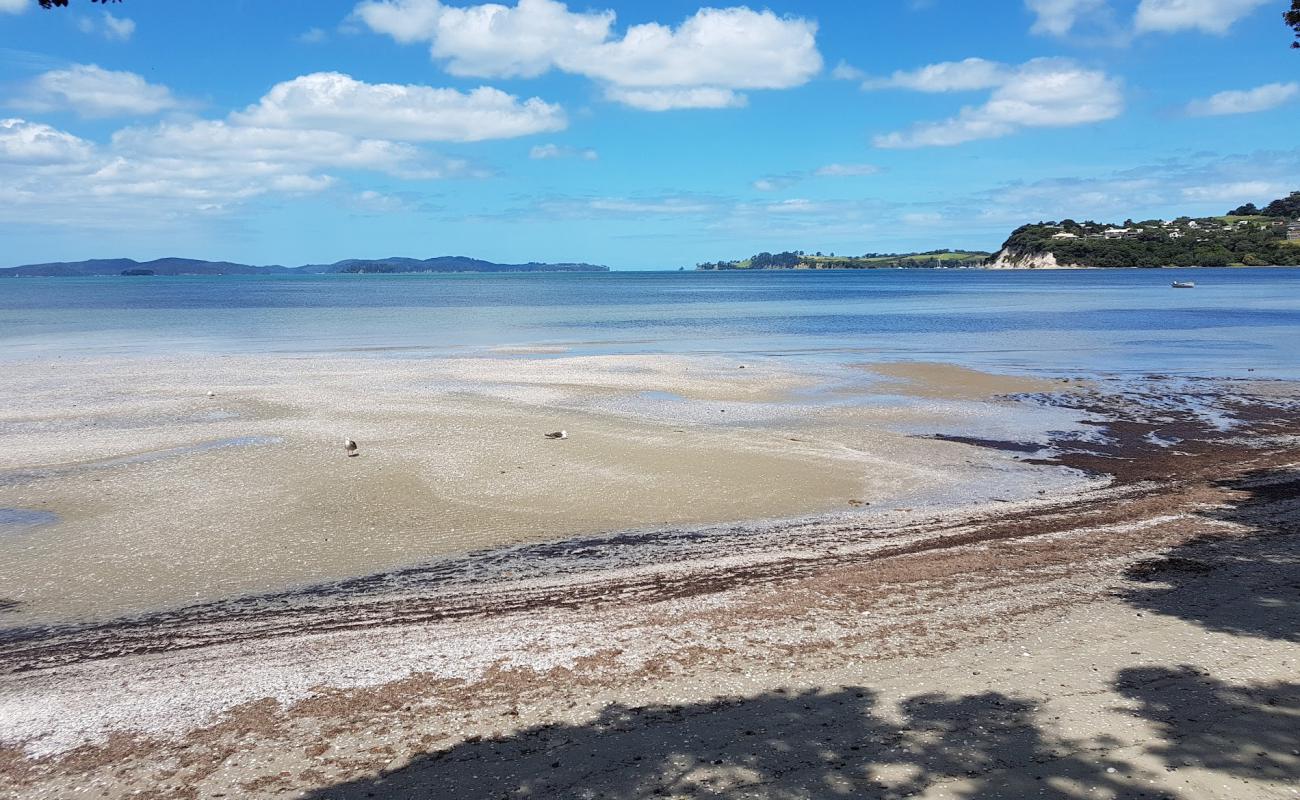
(632, 134)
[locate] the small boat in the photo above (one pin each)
(1184, 285)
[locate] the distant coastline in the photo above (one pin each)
(1246, 236)
(172, 267)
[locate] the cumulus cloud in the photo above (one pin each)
(1058, 17)
(289, 142)
(175, 170)
(23, 142)
(699, 64)
(59, 178)
(91, 91)
(544, 152)
(948, 76)
(1209, 16)
(490, 40)
(336, 102)
(13, 6)
(1040, 93)
(273, 149)
(1244, 101)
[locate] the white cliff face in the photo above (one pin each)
(1013, 259)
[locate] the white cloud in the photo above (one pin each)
(313, 36)
(59, 178)
(280, 149)
(105, 24)
(117, 27)
(699, 64)
(289, 142)
(13, 6)
(844, 71)
(1245, 101)
(490, 40)
(846, 170)
(543, 152)
(1040, 93)
(23, 142)
(336, 102)
(1058, 17)
(91, 91)
(948, 76)
(734, 48)
(671, 99)
(1209, 16)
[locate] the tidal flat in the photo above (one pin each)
(748, 571)
(176, 481)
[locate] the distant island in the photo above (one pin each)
(932, 259)
(1246, 236)
(190, 266)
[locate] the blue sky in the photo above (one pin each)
(633, 134)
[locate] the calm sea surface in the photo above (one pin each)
(1124, 321)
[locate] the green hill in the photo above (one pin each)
(1246, 236)
(933, 259)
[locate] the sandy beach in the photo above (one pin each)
(733, 580)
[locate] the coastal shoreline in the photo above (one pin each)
(774, 618)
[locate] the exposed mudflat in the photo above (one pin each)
(1129, 626)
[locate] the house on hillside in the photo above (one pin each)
(1064, 235)
(1293, 231)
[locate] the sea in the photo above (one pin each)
(1236, 321)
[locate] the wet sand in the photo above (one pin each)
(166, 496)
(1132, 633)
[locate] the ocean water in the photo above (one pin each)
(1236, 321)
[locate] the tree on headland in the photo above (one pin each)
(1288, 206)
(64, 3)
(1292, 19)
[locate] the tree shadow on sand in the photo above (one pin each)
(783, 746)
(1250, 731)
(1241, 585)
(777, 746)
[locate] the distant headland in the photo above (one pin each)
(798, 259)
(1246, 236)
(191, 266)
